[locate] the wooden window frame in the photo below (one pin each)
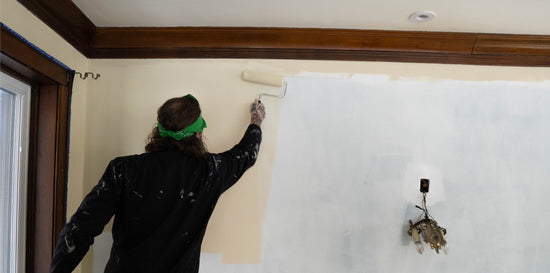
(48, 145)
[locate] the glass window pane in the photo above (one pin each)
(14, 113)
(7, 101)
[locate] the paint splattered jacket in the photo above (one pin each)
(161, 202)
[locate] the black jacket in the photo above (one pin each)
(161, 202)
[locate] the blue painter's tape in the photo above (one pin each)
(37, 48)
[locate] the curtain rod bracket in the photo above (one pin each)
(85, 75)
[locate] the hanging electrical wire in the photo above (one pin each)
(433, 234)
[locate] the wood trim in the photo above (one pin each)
(48, 145)
(24, 53)
(25, 74)
(63, 103)
(45, 175)
(337, 55)
(513, 45)
(48, 155)
(31, 244)
(283, 38)
(290, 43)
(65, 18)
(319, 44)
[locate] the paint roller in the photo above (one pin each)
(265, 79)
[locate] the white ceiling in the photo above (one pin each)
(481, 16)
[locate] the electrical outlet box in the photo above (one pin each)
(424, 185)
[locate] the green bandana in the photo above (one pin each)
(191, 96)
(197, 126)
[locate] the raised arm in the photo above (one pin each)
(231, 165)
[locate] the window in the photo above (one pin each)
(14, 131)
(51, 91)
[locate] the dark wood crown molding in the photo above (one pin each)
(65, 18)
(289, 43)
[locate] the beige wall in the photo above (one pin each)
(122, 111)
(122, 105)
(113, 115)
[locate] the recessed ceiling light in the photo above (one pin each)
(422, 16)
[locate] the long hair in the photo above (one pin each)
(176, 114)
